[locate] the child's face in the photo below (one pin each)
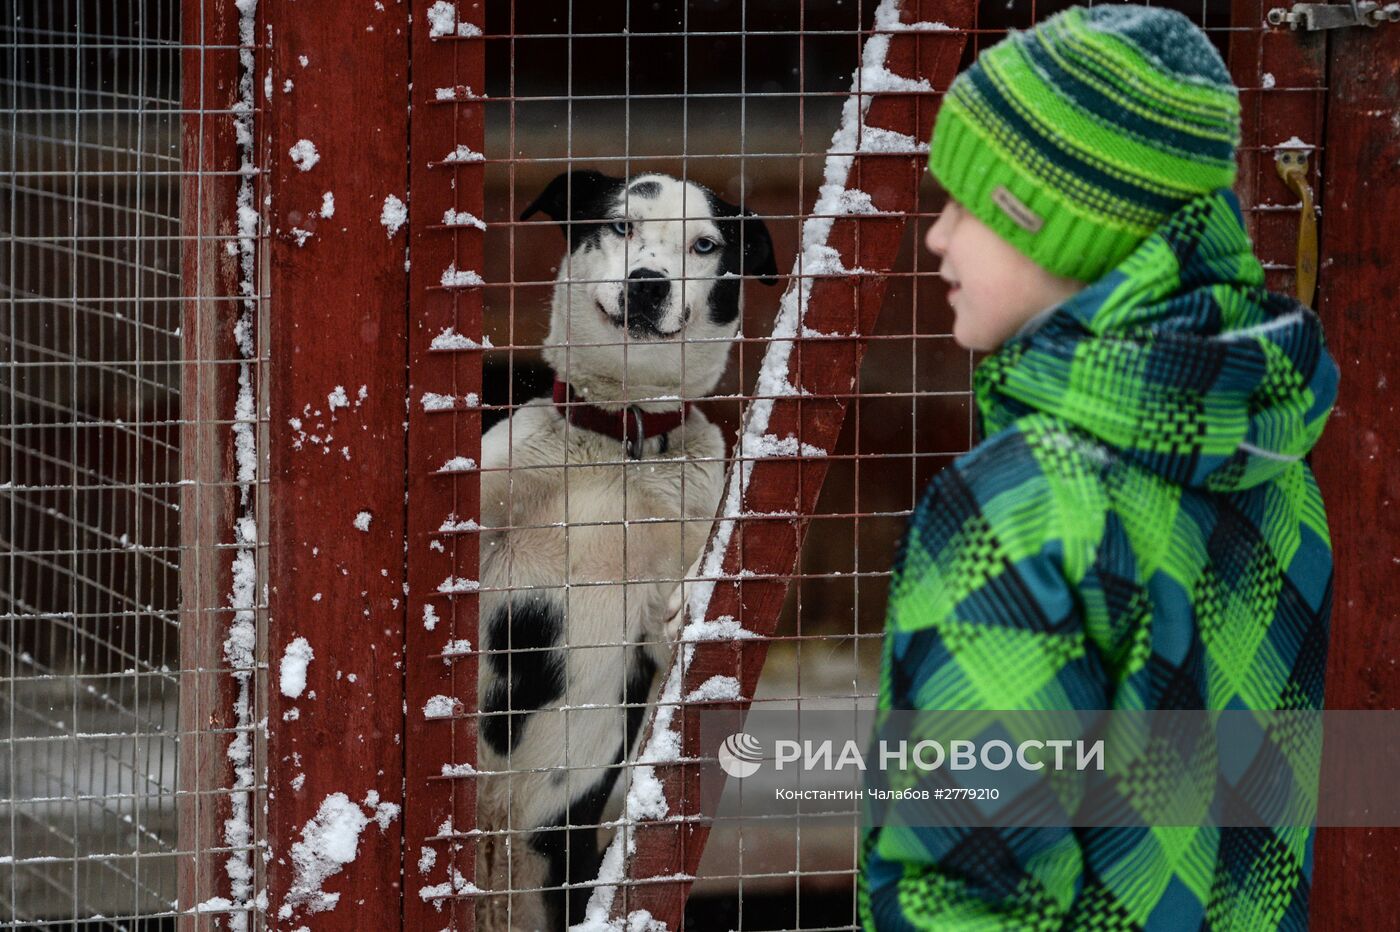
(994, 289)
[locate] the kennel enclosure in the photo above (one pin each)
(265, 286)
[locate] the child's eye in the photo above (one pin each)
(704, 244)
(622, 228)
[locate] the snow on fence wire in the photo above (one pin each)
(266, 295)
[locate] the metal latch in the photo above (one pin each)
(1314, 16)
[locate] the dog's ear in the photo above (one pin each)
(758, 249)
(573, 197)
(757, 256)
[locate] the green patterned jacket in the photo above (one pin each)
(1138, 530)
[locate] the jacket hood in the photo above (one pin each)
(1178, 359)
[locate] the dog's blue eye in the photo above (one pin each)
(621, 227)
(704, 245)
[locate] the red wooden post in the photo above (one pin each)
(338, 285)
(1359, 283)
(210, 274)
(765, 550)
(444, 447)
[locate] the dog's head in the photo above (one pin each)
(649, 294)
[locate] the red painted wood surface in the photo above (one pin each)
(440, 809)
(1359, 287)
(337, 323)
(209, 390)
(766, 550)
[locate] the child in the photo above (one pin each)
(1139, 528)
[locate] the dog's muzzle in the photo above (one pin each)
(647, 292)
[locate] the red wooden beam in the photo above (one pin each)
(761, 554)
(1359, 283)
(338, 344)
(209, 500)
(445, 336)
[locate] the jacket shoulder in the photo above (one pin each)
(1041, 485)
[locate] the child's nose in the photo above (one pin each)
(936, 239)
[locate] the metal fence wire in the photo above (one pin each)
(742, 98)
(93, 409)
(138, 782)
(89, 434)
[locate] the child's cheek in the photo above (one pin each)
(969, 327)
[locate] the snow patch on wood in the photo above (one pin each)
(292, 671)
(455, 585)
(393, 215)
(328, 843)
(433, 401)
(304, 154)
(441, 706)
(461, 218)
(463, 153)
(450, 339)
(454, 649)
(458, 464)
(457, 885)
(452, 277)
(718, 688)
(442, 21)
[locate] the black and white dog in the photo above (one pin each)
(595, 505)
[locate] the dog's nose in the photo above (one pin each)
(647, 290)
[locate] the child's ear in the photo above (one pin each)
(574, 197)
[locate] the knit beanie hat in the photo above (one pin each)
(1076, 139)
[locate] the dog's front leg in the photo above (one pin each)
(663, 627)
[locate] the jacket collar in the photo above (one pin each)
(1178, 360)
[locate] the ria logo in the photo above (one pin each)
(740, 755)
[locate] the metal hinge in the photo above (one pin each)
(1314, 16)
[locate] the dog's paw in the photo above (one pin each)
(675, 612)
(664, 622)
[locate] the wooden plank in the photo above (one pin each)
(762, 552)
(337, 327)
(1359, 282)
(209, 186)
(440, 808)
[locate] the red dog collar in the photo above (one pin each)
(631, 426)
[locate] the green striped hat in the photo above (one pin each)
(1076, 139)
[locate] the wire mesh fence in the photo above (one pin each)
(95, 442)
(744, 100)
(615, 419)
(90, 413)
